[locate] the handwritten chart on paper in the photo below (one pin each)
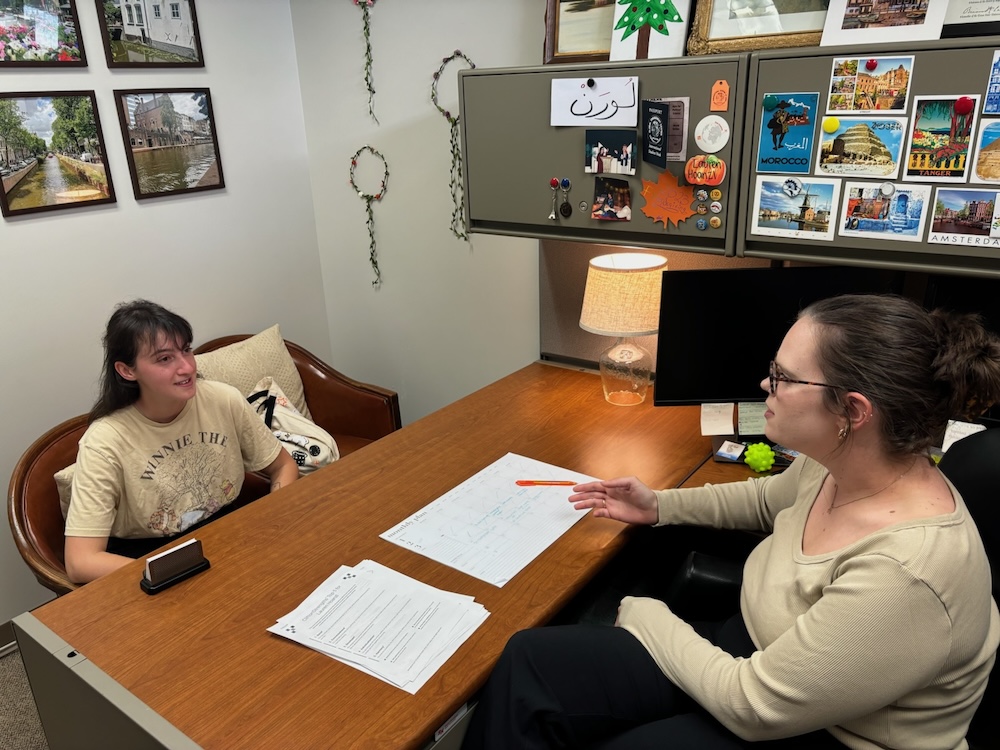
(489, 527)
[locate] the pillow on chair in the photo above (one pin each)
(243, 364)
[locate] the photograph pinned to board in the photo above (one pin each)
(640, 35)
(986, 164)
(940, 138)
(612, 200)
(886, 211)
(861, 146)
(800, 208)
(609, 152)
(991, 104)
(787, 125)
(595, 102)
(52, 152)
(665, 130)
(850, 22)
(166, 36)
(872, 85)
(172, 145)
(966, 217)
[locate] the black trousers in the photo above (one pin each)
(592, 686)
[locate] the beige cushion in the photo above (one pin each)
(64, 484)
(246, 362)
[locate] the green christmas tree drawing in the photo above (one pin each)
(646, 15)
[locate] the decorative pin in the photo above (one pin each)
(565, 209)
(368, 198)
(554, 184)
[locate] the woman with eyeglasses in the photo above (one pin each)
(866, 614)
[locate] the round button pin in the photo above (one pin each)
(701, 224)
(716, 207)
(715, 222)
(716, 194)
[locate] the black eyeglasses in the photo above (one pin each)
(775, 376)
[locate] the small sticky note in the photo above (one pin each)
(717, 419)
(750, 418)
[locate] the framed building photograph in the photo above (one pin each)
(150, 33)
(578, 30)
(738, 25)
(170, 141)
(52, 152)
(40, 33)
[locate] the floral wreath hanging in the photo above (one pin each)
(368, 198)
(369, 79)
(455, 178)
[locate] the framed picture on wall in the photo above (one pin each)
(170, 141)
(578, 30)
(52, 152)
(150, 34)
(739, 25)
(40, 33)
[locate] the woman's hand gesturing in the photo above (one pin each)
(625, 499)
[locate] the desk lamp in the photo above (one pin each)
(622, 299)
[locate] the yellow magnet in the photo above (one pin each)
(830, 124)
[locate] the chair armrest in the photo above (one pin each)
(341, 405)
(706, 587)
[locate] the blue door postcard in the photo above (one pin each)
(862, 147)
(966, 217)
(885, 212)
(940, 137)
(986, 167)
(803, 208)
(787, 124)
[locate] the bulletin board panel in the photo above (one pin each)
(894, 220)
(511, 152)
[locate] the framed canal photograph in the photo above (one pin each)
(150, 34)
(40, 33)
(578, 30)
(170, 140)
(52, 152)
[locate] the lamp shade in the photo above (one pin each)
(622, 297)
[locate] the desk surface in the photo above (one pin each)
(199, 655)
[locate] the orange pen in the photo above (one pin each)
(544, 483)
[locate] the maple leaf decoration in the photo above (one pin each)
(667, 201)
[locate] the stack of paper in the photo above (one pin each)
(383, 623)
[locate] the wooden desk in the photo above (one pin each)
(198, 655)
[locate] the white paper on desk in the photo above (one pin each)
(383, 623)
(595, 102)
(717, 419)
(489, 527)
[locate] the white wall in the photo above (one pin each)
(231, 260)
(450, 316)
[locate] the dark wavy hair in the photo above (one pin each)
(919, 368)
(132, 326)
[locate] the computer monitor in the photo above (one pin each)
(719, 329)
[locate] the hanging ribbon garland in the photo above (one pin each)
(455, 179)
(369, 79)
(368, 198)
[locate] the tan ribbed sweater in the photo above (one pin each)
(887, 642)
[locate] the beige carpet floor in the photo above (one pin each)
(20, 728)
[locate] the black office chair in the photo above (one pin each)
(706, 587)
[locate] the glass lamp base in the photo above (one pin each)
(625, 370)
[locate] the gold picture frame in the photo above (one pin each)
(587, 39)
(716, 31)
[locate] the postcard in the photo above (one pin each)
(991, 105)
(873, 85)
(885, 211)
(986, 162)
(851, 22)
(786, 133)
(966, 217)
(802, 208)
(609, 152)
(862, 147)
(940, 135)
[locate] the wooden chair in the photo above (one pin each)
(354, 413)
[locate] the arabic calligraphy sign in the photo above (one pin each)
(595, 102)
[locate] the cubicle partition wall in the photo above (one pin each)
(512, 151)
(883, 156)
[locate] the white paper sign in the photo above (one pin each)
(595, 102)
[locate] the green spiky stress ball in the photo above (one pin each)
(759, 457)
